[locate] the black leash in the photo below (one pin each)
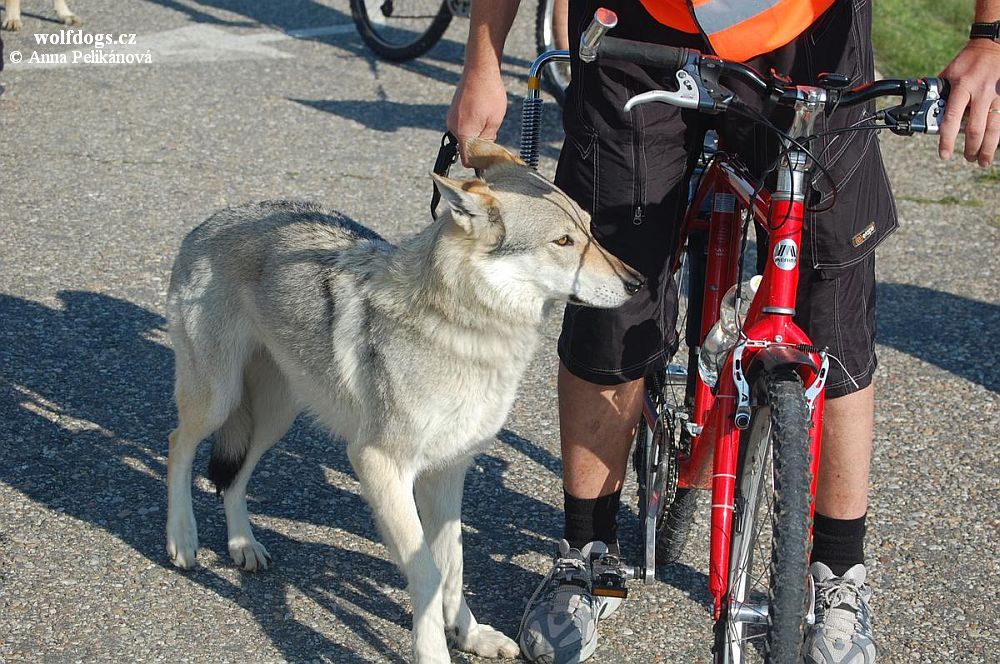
(447, 156)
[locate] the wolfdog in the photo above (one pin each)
(410, 353)
(13, 19)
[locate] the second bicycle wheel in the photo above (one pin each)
(769, 590)
(401, 30)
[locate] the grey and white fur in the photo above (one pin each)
(12, 19)
(410, 353)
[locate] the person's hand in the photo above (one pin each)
(478, 107)
(974, 76)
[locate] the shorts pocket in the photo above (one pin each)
(846, 226)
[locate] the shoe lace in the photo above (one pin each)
(569, 572)
(838, 607)
(565, 572)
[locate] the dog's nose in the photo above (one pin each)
(633, 285)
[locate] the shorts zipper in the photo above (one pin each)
(639, 166)
(637, 217)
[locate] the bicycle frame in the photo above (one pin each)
(770, 337)
(714, 425)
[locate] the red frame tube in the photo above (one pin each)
(719, 438)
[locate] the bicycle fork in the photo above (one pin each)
(771, 338)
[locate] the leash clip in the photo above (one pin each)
(446, 158)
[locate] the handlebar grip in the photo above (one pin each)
(642, 53)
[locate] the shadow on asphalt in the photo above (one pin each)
(39, 17)
(381, 114)
(86, 406)
(293, 15)
(391, 116)
(954, 333)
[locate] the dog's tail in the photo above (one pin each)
(230, 446)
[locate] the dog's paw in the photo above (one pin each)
(12, 24)
(485, 641)
(182, 544)
(249, 554)
(70, 19)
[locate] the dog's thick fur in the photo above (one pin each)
(412, 354)
(12, 19)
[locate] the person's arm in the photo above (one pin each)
(480, 100)
(974, 76)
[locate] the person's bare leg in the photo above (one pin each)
(596, 426)
(560, 20)
(846, 456)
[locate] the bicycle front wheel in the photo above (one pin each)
(401, 30)
(769, 590)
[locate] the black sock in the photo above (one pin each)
(591, 519)
(838, 543)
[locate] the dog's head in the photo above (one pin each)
(528, 236)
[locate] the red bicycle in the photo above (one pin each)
(744, 418)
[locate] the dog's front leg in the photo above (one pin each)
(389, 490)
(439, 497)
(64, 13)
(12, 20)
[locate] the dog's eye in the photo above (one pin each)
(564, 241)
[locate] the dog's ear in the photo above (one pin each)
(474, 209)
(485, 156)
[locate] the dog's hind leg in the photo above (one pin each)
(209, 370)
(65, 15)
(389, 490)
(197, 417)
(263, 417)
(439, 499)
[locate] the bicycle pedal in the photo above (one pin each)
(609, 577)
(609, 587)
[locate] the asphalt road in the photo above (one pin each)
(103, 168)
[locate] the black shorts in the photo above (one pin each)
(631, 171)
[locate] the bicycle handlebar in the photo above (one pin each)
(699, 78)
(643, 53)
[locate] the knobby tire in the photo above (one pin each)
(778, 438)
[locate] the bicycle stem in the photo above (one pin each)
(795, 164)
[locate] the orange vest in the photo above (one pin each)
(740, 29)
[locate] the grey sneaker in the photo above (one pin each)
(559, 625)
(842, 633)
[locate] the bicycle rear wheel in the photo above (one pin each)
(401, 30)
(769, 589)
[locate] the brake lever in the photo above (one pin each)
(687, 95)
(925, 118)
(918, 116)
(690, 93)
